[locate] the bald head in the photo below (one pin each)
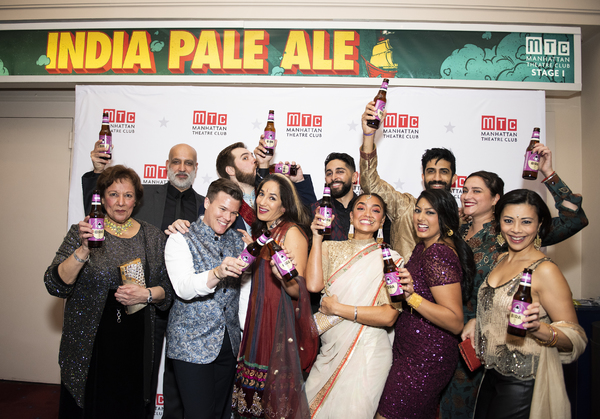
(184, 152)
(181, 166)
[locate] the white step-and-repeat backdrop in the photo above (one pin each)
(486, 130)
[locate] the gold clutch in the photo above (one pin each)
(325, 322)
(133, 273)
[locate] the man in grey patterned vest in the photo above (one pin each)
(203, 335)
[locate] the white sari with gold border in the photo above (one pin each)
(349, 374)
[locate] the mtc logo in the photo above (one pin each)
(538, 46)
(297, 119)
(459, 182)
(394, 120)
(160, 399)
(497, 123)
(209, 118)
(153, 171)
(120, 117)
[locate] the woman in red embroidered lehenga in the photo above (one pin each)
(280, 338)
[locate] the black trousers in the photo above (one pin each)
(206, 389)
(503, 397)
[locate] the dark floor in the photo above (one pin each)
(19, 400)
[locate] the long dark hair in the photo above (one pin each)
(295, 211)
(447, 210)
(525, 196)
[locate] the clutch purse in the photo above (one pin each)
(133, 273)
(468, 353)
(325, 322)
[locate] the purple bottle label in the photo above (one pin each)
(516, 317)
(532, 161)
(284, 264)
(282, 168)
(384, 85)
(97, 229)
(327, 214)
(386, 253)
(246, 258)
(379, 109)
(392, 284)
(106, 142)
(270, 139)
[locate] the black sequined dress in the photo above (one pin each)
(105, 354)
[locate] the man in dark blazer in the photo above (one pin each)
(160, 206)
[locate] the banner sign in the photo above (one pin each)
(531, 56)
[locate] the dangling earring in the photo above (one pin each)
(500, 239)
(379, 235)
(351, 232)
(537, 243)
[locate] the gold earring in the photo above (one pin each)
(351, 232)
(450, 232)
(379, 236)
(537, 243)
(500, 239)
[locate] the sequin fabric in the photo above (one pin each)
(424, 356)
(509, 355)
(458, 398)
(87, 296)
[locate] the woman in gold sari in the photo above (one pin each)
(351, 369)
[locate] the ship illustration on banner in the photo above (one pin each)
(381, 63)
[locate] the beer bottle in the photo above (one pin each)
(106, 136)
(293, 169)
(283, 168)
(284, 265)
(391, 279)
(326, 210)
(532, 160)
(380, 102)
(270, 134)
(97, 222)
(521, 301)
(251, 252)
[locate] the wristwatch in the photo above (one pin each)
(149, 296)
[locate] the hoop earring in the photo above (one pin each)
(537, 243)
(379, 235)
(351, 232)
(500, 240)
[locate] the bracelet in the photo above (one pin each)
(550, 342)
(79, 259)
(552, 174)
(355, 313)
(215, 274)
(414, 300)
(368, 135)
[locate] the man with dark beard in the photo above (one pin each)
(161, 206)
(340, 175)
(439, 171)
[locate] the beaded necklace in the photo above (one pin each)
(118, 229)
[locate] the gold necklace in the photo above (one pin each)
(118, 229)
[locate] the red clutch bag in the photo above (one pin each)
(468, 353)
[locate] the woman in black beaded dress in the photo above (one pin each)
(106, 355)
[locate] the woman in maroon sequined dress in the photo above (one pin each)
(438, 275)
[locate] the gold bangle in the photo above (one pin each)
(414, 300)
(215, 274)
(550, 342)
